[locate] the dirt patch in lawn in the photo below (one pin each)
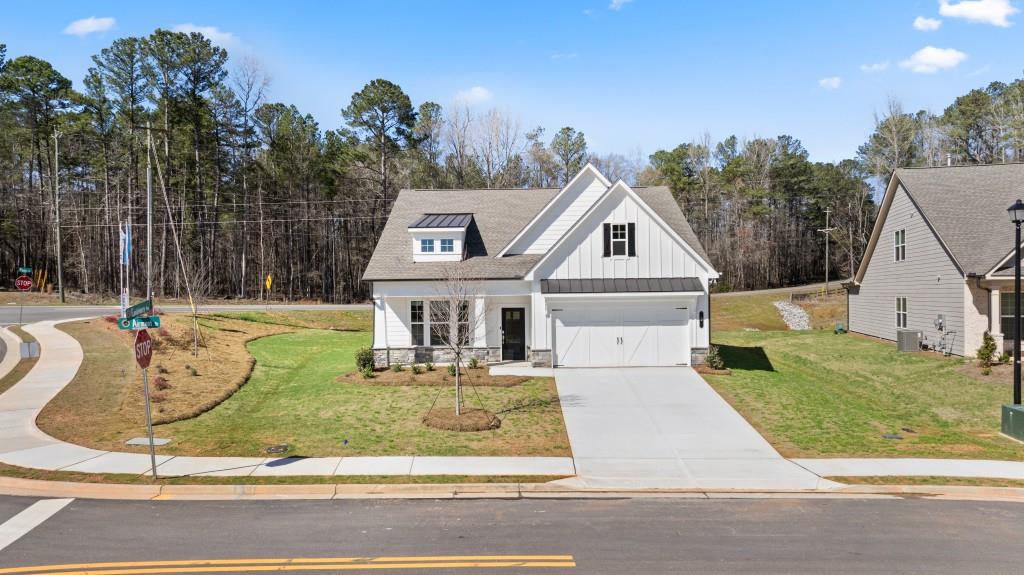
(103, 405)
(439, 376)
(1001, 374)
(470, 420)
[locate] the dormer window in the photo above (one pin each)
(620, 240)
(439, 237)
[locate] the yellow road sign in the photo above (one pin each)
(270, 280)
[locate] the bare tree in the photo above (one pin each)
(458, 140)
(497, 144)
(457, 315)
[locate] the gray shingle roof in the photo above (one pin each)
(621, 285)
(497, 217)
(967, 207)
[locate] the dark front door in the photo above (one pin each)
(513, 334)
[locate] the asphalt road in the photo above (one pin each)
(9, 313)
(645, 536)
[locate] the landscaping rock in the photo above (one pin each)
(794, 315)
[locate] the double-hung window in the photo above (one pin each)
(416, 322)
(899, 245)
(447, 246)
(439, 316)
(427, 246)
(619, 239)
(1006, 315)
(901, 312)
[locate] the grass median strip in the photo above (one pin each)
(298, 564)
(23, 367)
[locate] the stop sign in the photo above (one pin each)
(143, 348)
(23, 283)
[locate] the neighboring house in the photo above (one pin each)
(593, 274)
(939, 260)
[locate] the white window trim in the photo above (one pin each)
(624, 240)
(424, 322)
(423, 243)
(899, 252)
(902, 312)
(451, 246)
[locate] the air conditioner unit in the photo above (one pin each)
(908, 340)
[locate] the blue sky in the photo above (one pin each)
(631, 75)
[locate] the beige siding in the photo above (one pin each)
(928, 278)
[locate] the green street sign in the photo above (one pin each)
(133, 323)
(141, 308)
(24, 270)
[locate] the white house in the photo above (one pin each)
(592, 274)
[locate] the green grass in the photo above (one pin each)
(736, 312)
(815, 394)
(294, 397)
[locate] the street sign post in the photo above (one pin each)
(23, 283)
(143, 355)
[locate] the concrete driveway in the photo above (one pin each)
(665, 427)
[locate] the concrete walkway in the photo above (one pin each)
(25, 445)
(665, 427)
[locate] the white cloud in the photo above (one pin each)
(927, 24)
(830, 83)
(994, 12)
(930, 59)
(564, 55)
(473, 96)
(876, 67)
(90, 25)
(618, 4)
(212, 33)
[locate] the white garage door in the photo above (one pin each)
(614, 334)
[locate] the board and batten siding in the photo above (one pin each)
(928, 278)
(559, 217)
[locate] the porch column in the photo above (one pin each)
(479, 322)
(995, 324)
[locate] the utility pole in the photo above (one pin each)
(149, 212)
(828, 233)
(56, 201)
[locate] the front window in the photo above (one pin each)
(619, 239)
(1006, 315)
(900, 245)
(426, 246)
(416, 322)
(901, 312)
(447, 246)
(441, 320)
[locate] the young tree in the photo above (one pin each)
(457, 313)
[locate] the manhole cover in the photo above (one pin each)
(278, 448)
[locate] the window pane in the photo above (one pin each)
(447, 245)
(438, 323)
(618, 231)
(417, 334)
(618, 248)
(416, 311)
(426, 245)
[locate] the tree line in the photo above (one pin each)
(245, 187)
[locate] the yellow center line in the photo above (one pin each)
(296, 564)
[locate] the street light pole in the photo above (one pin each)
(1017, 217)
(149, 212)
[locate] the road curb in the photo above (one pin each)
(63, 489)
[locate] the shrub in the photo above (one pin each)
(714, 358)
(986, 371)
(473, 362)
(364, 358)
(396, 367)
(986, 351)
(416, 369)
(1004, 357)
(429, 366)
(451, 369)
(368, 373)
(161, 383)
(191, 370)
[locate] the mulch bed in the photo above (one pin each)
(1002, 373)
(705, 370)
(470, 420)
(480, 377)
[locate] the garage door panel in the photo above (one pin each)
(639, 342)
(600, 334)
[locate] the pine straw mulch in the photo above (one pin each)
(480, 376)
(703, 369)
(470, 420)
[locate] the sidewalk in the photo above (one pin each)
(25, 445)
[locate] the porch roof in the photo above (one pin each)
(622, 285)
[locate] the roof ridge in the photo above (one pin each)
(961, 166)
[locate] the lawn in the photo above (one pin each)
(23, 367)
(815, 394)
(756, 311)
(295, 395)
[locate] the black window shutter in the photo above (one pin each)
(631, 235)
(607, 240)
